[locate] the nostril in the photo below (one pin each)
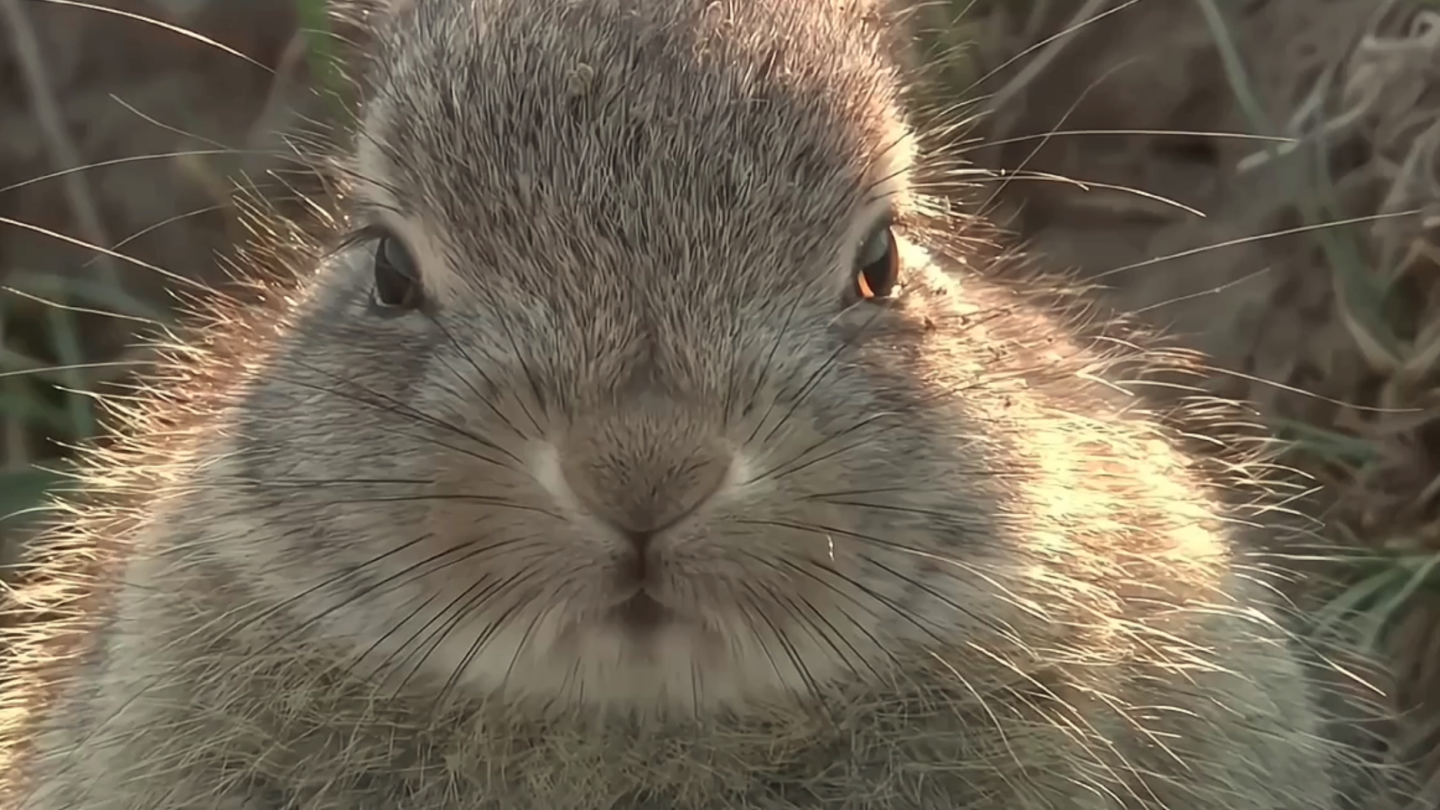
(637, 565)
(640, 541)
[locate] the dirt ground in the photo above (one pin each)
(1333, 331)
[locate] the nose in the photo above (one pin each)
(644, 472)
(643, 492)
(636, 566)
(639, 542)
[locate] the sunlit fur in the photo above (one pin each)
(923, 554)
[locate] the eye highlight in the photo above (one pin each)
(397, 284)
(877, 265)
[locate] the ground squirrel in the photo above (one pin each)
(651, 441)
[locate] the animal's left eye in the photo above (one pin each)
(397, 283)
(877, 266)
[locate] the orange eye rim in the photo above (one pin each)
(863, 285)
(888, 262)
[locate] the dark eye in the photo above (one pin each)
(397, 285)
(877, 267)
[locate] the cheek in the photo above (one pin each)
(484, 500)
(492, 375)
(878, 491)
(768, 537)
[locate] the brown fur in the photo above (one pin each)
(352, 562)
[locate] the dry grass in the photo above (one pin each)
(124, 133)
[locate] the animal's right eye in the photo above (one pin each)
(877, 267)
(397, 284)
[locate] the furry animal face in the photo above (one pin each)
(653, 409)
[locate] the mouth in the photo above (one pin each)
(641, 612)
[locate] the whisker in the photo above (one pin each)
(816, 615)
(399, 408)
(483, 376)
(250, 621)
(149, 229)
(1180, 133)
(1244, 240)
(514, 659)
(74, 367)
(176, 277)
(174, 29)
(764, 373)
(1211, 291)
(988, 205)
(1087, 15)
(1031, 175)
(79, 309)
(830, 531)
(485, 499)
(780, 471)
(462, 608)
(401, 578)
(887, 507)
(387, 635)
(811, 685)
(120, 161)
(174, 130)
(473, 595)
(750, 610)
(816, 377)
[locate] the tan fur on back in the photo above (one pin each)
(927, 553)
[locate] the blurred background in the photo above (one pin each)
(1256, 177)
